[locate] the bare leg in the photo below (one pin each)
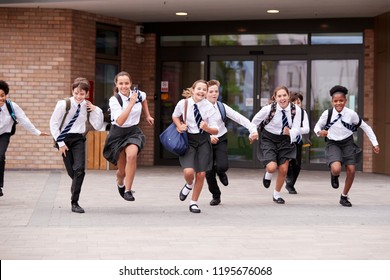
(282, 172)
(198, 185)
(350, 169)
(131, 165)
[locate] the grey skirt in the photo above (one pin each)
(344, 151)
(276, 148)
(119, 138)
(199, 155)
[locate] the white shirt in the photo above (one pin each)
(206, 110)
(338, 131)
(135, 113)
(234, 116)
(6, 121)
(275, 125)
(95, 118)
(305, 128)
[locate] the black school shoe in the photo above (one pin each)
(266, 183)
(278, 200)
(121, 191)
(194, 208)
(215, 201)
(129, 196)
(334, 180)
(291, 189)
(77, 208)
(224, 179)
(344, 201)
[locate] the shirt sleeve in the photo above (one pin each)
(321, 122)
(96, 118)
(56, 119)
(240, 119)
(305, 129)
(24, 120)
(261, 115)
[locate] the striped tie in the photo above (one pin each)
(69, 125)
(299, 139)
(284, 121)
(198, 117)
(333, 122)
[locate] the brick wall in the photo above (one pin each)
(43, 51)
(368, 97)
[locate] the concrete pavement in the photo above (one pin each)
(36, 221)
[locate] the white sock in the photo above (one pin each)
(121, 186)
(187, 190)
(268, 176)
(192, 202)
(276, 194)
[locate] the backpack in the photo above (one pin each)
(222, 111)
(88, 125)
(121, 102)
(272, 114)
(352, 127)
(13, 116)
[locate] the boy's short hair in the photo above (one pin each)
(81, 83)
(295, 96)
(338, 89)
(213, 83)
(4, 87)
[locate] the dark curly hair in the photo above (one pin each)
(4, 87)
(338, 89)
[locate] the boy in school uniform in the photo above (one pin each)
(10, 113)
(219, 141)
(279, 124)
(338, 125)
(70, 138)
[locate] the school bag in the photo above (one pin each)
(222, 111)
(88, 125)
(272, 114)
(352, 127)
(13, 116)
(121, 102)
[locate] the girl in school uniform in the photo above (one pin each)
(277, 136)
(219, 141)
(340, 146)
(6, 123)
(200, 123)
(126, 140)
(69, 128)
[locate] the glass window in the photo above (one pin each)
(336, 38)
(183, 41)
(258, 39)
(107, 40)
(236, 79)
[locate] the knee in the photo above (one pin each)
(271, 167)
(130, 157)
(79, 172)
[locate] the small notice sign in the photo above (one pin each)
(164, 86)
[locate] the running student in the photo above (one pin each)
(200, 122)
(10, 113)
(279, 124)
(338, 125)
(220, 143)
(68, 128)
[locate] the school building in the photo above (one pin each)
(44, 49)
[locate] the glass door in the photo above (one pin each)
(237, 91)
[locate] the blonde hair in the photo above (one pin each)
(187, 92)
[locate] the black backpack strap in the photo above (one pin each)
(119, 99)
(67, 108)
(293, 111)
(270, 116)
(222, 110)
(11, 110)
(328, 119)
(302, 115)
